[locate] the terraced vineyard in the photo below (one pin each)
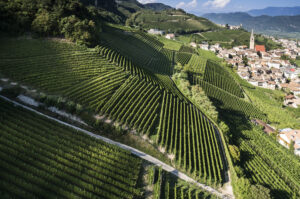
(271, 164)
(183, 58)
(113, 85)
(41, 159)
(166, 187)
(144, 52)
(197, 64)
(219, 77)
(186, 49)
(230, 102)
(136, 105)
(187, 133)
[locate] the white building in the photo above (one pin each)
(170, 36)
(156, 32)
(286, 136)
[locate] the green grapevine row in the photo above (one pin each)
(230, 102)
(187, 133)
(42, 159)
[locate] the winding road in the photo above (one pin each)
(134, 151)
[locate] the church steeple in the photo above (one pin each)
(252, 41)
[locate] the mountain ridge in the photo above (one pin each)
(275, 11)
(277, 25)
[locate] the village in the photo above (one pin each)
(268, 70)
(265, 69)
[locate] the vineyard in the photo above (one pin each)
(183, 58)
(144, 52)
(230, 102)
(197, 64)
(166, 187)
(186, 49)
(187, 133)
(136, 105)
(271, 164)
(40, 158)
(219, 77)
(113, 85)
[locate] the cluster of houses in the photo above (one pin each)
(259, 67)
(230, 27)
(265, 69)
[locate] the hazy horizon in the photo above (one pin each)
(200, 7)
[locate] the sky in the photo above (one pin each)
(200, 7)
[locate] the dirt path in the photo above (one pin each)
(132, 150)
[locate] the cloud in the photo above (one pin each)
(147, 1)
(217, 3)
(188, 5)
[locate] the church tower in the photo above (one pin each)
(252, 41)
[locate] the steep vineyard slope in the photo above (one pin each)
(40, 158)
(138, 97)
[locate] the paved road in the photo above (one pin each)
(132, 150)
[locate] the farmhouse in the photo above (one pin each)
(287, 136)
(156, 32)
(170, 36)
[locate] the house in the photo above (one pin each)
(287, 136)
(273, 65)
(170, 36)
(156, 32)
(260, 48)
(193, 44)
(267, 128)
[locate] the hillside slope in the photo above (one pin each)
(171, 20)
(108, 83)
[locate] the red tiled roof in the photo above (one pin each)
(260, 48)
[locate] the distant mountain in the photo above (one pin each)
(157, 6)
(286, 26)
(276, 11)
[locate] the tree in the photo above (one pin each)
(80, 31)
(259, 191)
(235, 153)
(245, 60)
(259, 54)
(284, 57)
(291, 146)
(45, 23)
